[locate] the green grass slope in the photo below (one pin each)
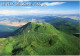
(39, 39)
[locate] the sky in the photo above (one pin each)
(53, 7)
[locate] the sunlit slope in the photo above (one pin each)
(39, 39)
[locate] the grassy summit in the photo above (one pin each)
(39, 39)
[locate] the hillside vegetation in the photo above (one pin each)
(39, 39)
(66, 25)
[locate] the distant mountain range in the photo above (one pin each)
(39, 39)
(12, 23)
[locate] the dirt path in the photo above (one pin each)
(46, 33)
(0, 49)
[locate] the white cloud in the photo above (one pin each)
(28, 7)
(66, 12)
(34, 12)
(7, 12)
(16, 12)
(53, 3)
(22, 0)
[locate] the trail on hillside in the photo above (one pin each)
(46, 33)
(0, 49)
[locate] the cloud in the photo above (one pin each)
(28, 7)
(52, 4)
(22, 0)
(66, 12)
(16, 12)
(7, 12)
(35, 12)
(11, 12)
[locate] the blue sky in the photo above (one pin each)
(53, 7)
